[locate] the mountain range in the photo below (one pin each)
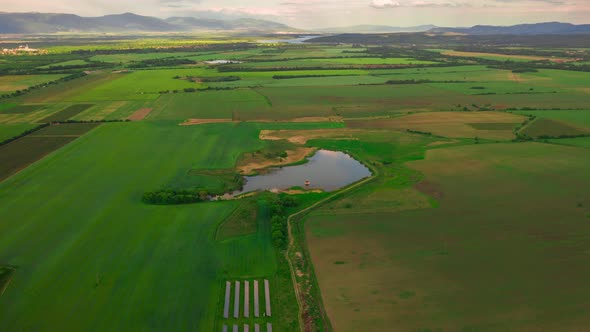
(548, 28)
(23, 23)
(31, 23)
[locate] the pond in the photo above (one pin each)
(326, 170)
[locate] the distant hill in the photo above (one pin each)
(377, 29)
(16, 23)
(549, 28)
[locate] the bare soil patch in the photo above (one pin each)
(302, 136)
(293, 156)
(140, 114)
(194, 122)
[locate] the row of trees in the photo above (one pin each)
(175, 197)
(279, 228)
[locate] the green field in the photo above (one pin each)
(476, 217)
(156, 256)
(20, 82)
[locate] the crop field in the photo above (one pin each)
(65, 63)
(121, 213)
(501, 57)
(442, 268)
(19, 82)
(123, 58)
(490, 125)
(576, 118)
(12, 130)
(210, 104)
(67, 113)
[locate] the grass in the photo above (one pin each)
(448, 258)
(104, 251)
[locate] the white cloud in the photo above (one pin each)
(385, 3)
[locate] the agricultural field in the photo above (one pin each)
(126, 203)
(19, 82)
(8, 131)
(440, 267)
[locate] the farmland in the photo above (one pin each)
(120, 203)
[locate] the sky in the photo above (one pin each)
(309, 14)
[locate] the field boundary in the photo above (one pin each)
(292, 249)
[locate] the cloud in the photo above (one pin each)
(384, 3)
(381, 4)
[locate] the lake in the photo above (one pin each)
(326, 170)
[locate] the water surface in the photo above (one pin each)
(327, 170)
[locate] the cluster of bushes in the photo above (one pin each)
(43, 85)
(93, 121)
(524, 70)
(23, 134)
(286, 77)
(412, 81)
(220, 79)
(278, 219)
(419, 132)
(174, 197)
(191, 90)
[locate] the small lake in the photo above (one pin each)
(299, 40)
(326, 170)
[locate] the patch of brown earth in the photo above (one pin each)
(293, 156)
(193, 122)
(302, 136)
(140, 114)
(429, 188)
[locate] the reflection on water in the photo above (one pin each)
(327, 170)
